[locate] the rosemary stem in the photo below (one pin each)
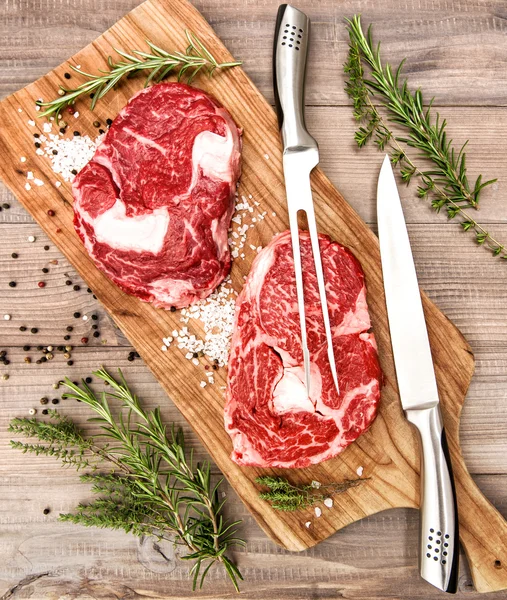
(393, 141)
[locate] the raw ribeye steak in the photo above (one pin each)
(268, 414)
(154, 204)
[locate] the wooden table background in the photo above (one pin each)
(457, 51)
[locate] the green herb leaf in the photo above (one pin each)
(285, 496)
(379, 98)
(159, 63)
(150, 488)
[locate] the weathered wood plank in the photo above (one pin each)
(355, 172)
(465, 282)
(442, 38)
(104, 564)
(483, 426)
(452, 47)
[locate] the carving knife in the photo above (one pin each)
(439, 540)
(300, 157)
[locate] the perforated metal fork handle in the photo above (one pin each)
(290, 50)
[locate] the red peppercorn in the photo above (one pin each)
(51, 213)
(41, 284)
(84, 340)
(58, 230)
(71, 110)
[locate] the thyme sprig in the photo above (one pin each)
(158, 62)
(150, 485)
(445, 183)
(286, 496)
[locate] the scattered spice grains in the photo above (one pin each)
(216, 314)
(72, 153)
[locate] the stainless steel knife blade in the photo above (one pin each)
(439, 542)
(409, 335)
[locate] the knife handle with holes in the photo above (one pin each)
(290, 49)
(439, 534)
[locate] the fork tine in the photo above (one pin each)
(296, 251)
(314, 237)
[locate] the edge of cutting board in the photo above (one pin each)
(389, 450)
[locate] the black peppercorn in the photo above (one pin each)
(45, 411)
(68, 282)
(55, 401)
(70, 363)
(76, 133)
(95, 326)
(130, 358)
(62, 129)
(39, 348)
(94, 317)
(38, 361)
(14, 255)
(45, 270)
(96, 124)
(77, 315)
(88, 290)
(109, 121)
(44, 400)
(22, 328)
(137, 355)
(173, 308)
(96, 334)
(46, 511)
(26, 348)
(66, 75)
(70, 328)
(6, 206)
(88, 380)
(74, 172)
(34, 330)
(43, 359)
(7, 362)
(36, 135)
(195, 355)
(55, 152)
(12, 284)
(37, 144)
(101, 131)
(46, 248)
(60, 348)
(76, 288)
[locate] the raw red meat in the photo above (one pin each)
(154, 204)
(268, 415)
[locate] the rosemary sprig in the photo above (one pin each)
(159, 62)
(446, 182)
(286, 496)
(152, 487)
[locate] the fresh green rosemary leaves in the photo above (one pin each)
(445, 183)
(285, 496)
(148, 485)
(158, 62)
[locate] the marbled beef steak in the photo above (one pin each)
(154, 204)
(268, 415)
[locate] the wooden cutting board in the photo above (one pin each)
(389, 451)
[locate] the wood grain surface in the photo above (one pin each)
(443, 274)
